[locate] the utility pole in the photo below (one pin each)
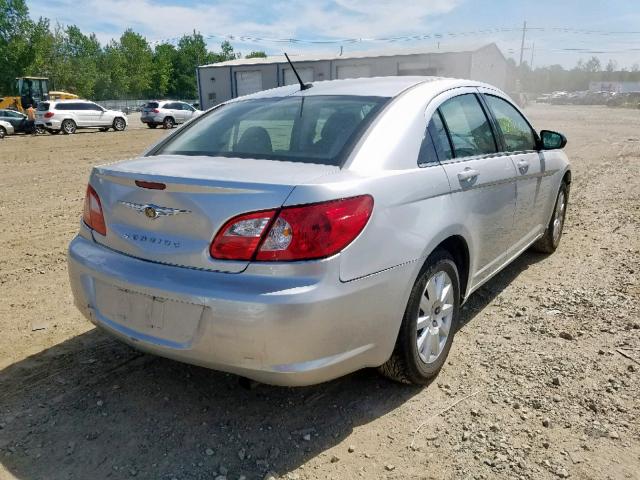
(533, 48)
(524, 31)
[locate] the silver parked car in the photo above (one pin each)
(167, 113)
(293, 236)
(6, 128)
(67, 116)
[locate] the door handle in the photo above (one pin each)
(523, 166)
(467, 175)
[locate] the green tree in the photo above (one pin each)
(163, 73)
(191, 52)
(138, 60)
(15, 55)
(256, 54)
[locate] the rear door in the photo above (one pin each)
(519, 141)
(482, 180)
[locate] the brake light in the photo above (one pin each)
(92, 214)
(294, 233)
(150, 185)
(49, 115)
(155, 110)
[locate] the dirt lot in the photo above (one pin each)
(542, 381)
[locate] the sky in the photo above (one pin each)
(559, 31)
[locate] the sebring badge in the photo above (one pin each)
(154, 211)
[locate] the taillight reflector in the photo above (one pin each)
(49, 115)
(92, 214)
(302, 232)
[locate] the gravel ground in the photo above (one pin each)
(542, 381)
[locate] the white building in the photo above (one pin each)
(222, 81)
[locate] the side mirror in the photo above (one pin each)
(552, 140)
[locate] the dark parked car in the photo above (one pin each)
(17, 119)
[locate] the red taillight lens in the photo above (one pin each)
(296, 233)
(92, 214)
(49, 115)
(240, 236)
(155, 110)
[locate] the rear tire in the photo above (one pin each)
(3, 133)
(553, 234)
(69, 127)
(119, 124)
(433, 305)
(168, 123)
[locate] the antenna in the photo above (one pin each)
(303, 86)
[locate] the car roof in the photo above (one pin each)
(369, 86)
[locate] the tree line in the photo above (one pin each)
(76, 62)
(555, 78)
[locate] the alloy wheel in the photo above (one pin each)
(435, 316)
(558, 216)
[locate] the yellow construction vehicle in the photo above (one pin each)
(30, 91)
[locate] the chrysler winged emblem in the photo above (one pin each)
(154, 211)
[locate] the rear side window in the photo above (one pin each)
(151, 105)
(43, 106)
(315, 129)
(468, 126)
(517, 133)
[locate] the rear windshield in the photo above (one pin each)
(151, 105)
(315, 129)
(43, 106)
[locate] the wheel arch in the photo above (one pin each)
(458, 247)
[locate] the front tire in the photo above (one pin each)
(69, 127)
(429, 323)
(3, 133)
(119, 124)
(553, 234)
(168, 123)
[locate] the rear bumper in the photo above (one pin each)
(155, 119)
(295, 324)
(50, 124)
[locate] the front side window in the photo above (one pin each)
(468, 126)
(518, 135)
(314, 129)
(93, 106)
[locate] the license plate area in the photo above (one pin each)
(151, 315)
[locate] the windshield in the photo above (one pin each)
(315, 129)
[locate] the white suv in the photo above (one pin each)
(68, 115)
(167, 113)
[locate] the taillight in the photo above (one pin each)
(294, 233)
(92, 214)
(155, 110)
(49, 115)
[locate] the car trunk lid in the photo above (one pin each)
(168, 208)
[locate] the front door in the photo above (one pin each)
(532, 186)
(482, 180)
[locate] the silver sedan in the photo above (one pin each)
(293, 236)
